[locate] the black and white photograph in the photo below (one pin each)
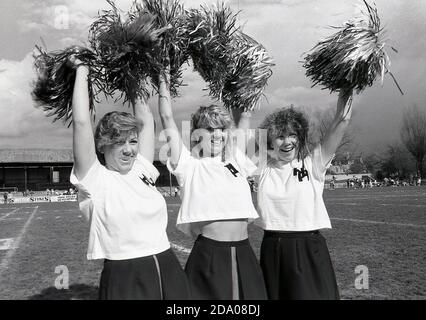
(228, 152)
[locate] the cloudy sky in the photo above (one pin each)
(287, 28)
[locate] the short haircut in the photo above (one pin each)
(212, 116)
(114, 127)
(283, 121)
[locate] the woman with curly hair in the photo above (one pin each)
(114, 175)
(216, 204)
(294, 258)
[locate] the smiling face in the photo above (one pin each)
(287, 132)
(209, 126)
(217, 143)
(121, 155)
(286, 147)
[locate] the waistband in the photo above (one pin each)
(137, 259)
(217, 243)
(290, 234)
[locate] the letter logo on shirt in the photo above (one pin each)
(302, 173)
(232, 169)
(148, 182)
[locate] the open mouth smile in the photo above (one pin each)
(288, 149)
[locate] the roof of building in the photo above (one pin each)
(35, 155)
(41, 155)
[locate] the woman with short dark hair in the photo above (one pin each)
(294, 256)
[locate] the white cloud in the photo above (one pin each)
(20, 120)
(30, 26)
(287, 28)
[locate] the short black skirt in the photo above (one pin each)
(297, 266)
(155, 277)
(224, 270)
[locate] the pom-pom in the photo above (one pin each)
(53, 89)
(127, 49)
(246, 82)
(211, 31)
(235, 66)
(172, 51)
(351, 58)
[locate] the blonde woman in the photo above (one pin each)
(216, 205)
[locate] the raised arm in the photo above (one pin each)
(339, 125)
(241, 118)
(146, 134)
(83, 141)
(167, 119)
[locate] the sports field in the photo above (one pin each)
(383, 229)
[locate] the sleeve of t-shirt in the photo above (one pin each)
(319, 167)
(88, 187)
(182, 166)
(147, 167)
(247, 167)
(91, 181)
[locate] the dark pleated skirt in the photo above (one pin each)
(297, 266)
(224, 270)
(155, 277)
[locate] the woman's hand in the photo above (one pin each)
(344, 104)
(74, 62)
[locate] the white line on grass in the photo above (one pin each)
(381, 222)
(6, 260)
(403, 205)
(180, 248)
(375, 196)
(6, 244)
(379, 204)
(8, 214)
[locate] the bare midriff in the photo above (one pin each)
(226, 230)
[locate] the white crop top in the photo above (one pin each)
(127, 214)
(288, 200)
(213, 190)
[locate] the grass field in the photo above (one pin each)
(383, 229)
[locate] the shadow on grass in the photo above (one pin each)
(75, 292)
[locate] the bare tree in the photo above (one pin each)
(413, 134)
(397, 161)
